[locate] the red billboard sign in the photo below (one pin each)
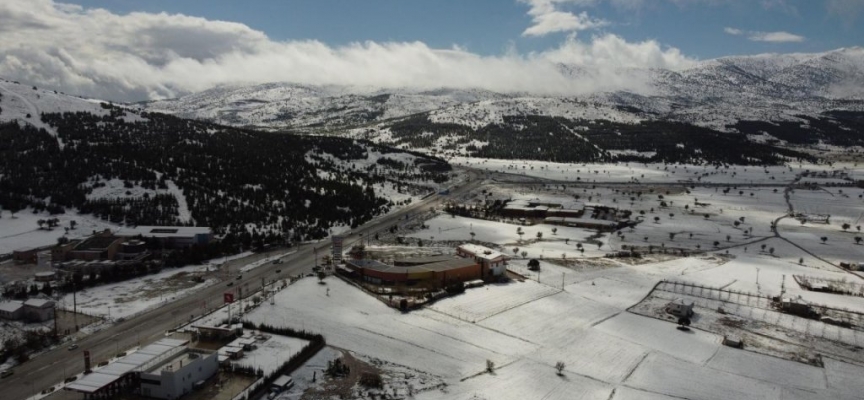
(228, 297)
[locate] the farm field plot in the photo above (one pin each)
(838, 247)
(627, 393)
(694, 346)
(844, 376)
(759, 313)
(662, 374)
(525, 379)
(354, 321)
(611, 291)
(551, 321)
(596, 355)
(842, 204)
(739, 273)
(480, 303)
(768, 369)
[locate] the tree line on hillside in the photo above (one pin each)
(839, 128)
(535, 137)
(247, 185)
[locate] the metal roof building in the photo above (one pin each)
(111, 377)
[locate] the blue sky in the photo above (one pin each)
(494, 26)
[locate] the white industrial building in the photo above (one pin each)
(179, 374)
(166, 369)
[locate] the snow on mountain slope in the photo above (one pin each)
(18, 100)
(25, 104)
(480, 114)
(713, 93)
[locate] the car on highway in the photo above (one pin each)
(6, 373)
(278, 271)
(239, 277)
(73, 346)
(230, 284)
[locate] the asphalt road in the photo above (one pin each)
(52, 367)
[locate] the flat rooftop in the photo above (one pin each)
(136, 361)
(96, 243)
(165, 231)
(482, 251)
(178, 361)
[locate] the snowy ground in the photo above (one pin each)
(272, 353)
(608, 352)
(127, 298)
(644, 173)
(22, 230)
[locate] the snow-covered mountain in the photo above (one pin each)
(713, 93)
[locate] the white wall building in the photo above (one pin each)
(492, 262)
(11, 310)
(39, 309)
(178, 375)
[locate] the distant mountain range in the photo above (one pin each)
(715, 94)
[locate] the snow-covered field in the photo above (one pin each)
(272, 353)
(643, 173)
(127, 298)
(607, 351)
(22, 230)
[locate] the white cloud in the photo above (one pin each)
(733, 31)
(547, 18)
(773, 37)
(141, 56)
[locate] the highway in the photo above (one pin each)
(50, 368)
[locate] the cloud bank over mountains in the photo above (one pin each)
(139, 56)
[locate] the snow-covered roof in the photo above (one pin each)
(136, 361)
(282, 381)
(39, 303)
(165, 231)
(10, 306)
(482, 251)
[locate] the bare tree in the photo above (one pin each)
(559, 367)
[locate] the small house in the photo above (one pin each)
(11, 310)
(680, 308)
(39, 310)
